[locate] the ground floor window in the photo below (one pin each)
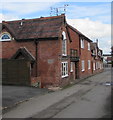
(89, 64)
(101, 66)
(97, 65)
(64, 69)
(94, 66)
(83, 65)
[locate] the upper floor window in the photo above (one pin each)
(88, 46)
(5, 37)
(64, 44)
(82, 43)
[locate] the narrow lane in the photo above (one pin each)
(94, 104)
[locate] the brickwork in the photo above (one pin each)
(85, 55)
(47, 69)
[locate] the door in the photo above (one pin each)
(76, 70)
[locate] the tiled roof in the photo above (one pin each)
(25, 53)
(47, 27)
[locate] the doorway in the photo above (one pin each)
(76, 70)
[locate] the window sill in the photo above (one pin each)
(64, 54)
(5, 40)
(65, 76)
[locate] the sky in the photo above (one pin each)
(93, 19)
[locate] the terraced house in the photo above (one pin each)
(45, 51)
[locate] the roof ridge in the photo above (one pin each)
(41, 18)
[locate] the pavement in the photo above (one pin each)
(13, 95)
(37, 104)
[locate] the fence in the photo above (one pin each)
(16, 72)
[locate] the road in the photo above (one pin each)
(92, 102)
(90, 98)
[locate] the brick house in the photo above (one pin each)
(97, 58)
(58, 53)
(82, 44)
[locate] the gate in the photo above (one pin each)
(16, 72)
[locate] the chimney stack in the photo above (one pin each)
(97, 41)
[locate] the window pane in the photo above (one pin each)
(64, 46)
(64, 35)
(5, 36)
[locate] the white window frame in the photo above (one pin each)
(89, 64)
(64, 68)
(83, 65)
(88, 46)
(5, 39)
(82, 43)
(64, 44)
(71, 67)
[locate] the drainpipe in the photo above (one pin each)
(36, 56)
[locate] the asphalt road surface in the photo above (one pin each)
(92, 102)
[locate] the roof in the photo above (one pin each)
(78, 32)
(24, 52)
(44, 27)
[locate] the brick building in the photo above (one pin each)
(57, 52)
(97, 58)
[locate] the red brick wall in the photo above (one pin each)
(50, 57)
(66, 80)
(85, 55)
(48, 62)
(10, 47)
(75, 40)
(73, 45)
(47, 58)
